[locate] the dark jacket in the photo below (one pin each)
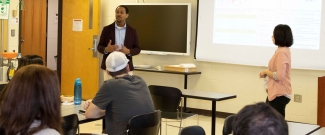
(131, 42)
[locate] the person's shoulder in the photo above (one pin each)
(47, 131)
(135, 76)
(282, 50)
(130, 27)
(112, 25)
(109, 81)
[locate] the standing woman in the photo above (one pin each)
(278, 75)
(31, 104)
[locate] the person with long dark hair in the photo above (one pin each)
(31, 103)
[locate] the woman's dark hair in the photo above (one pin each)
(32, 94)
(283, 36)
(29, 59)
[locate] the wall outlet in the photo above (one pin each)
(297, 98)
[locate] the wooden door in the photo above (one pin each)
(33, 28)
(77, 61)
(4, 37)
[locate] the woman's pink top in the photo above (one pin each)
(281, 64)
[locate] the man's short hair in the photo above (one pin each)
(259, 119)
(126, 8)
(123, 71)
(116, 63)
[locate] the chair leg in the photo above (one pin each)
(180, 126)
(166, 126)
(198, 119)
(78, 130)
(160, 127)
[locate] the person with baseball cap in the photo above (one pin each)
(119, 98)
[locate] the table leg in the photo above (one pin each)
(184, 104)
(213, 121)
(185, 81)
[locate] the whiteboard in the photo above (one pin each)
(240, 31)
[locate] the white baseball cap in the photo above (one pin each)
(116, 61)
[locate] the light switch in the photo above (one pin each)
(12, 32)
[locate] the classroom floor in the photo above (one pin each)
(204, 121)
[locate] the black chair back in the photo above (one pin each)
(227, 126)
(71, 124)
(192, 130)
(145, 124)
(165, 98)
(2, 86)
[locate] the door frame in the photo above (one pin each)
(59, 55)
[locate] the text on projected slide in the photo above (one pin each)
(251, 22)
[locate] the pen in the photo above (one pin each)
(82, 111)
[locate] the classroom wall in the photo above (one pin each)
(52, 20)
(12, 42)
(13, 25)
(240, 80)
(52, 33)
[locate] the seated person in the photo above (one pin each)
(259, 119)
(31, 104)
(119, 98)
(29, 59)
(24, 61)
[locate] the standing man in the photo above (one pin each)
(119, 36)
(119, 98)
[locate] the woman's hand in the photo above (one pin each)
(263, 74)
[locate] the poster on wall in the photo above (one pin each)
(77, 25)
(4, 9)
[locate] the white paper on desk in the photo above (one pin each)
(67, 103)
(174, 65)
(187, 65)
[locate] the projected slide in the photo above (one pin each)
(251, 22)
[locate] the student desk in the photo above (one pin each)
(74, 109)
(301, 128)
(170, 72)
(320, 131)
(211, 96)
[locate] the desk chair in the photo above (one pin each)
(227, 126)
(167, 100)
(2, 86)
(70, 125)
(192, 130)
(144, 124)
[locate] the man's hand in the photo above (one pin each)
(125, 50)
(86, 104)
(111, 48)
